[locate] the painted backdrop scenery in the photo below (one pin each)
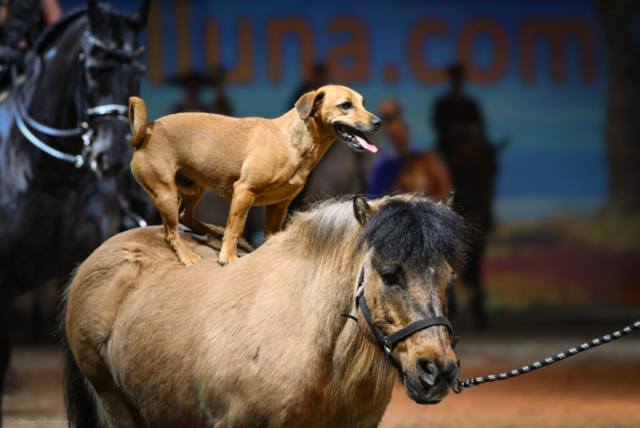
(540, 70)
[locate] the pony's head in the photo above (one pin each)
(413, 250)
(113, 68)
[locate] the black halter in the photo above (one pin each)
(387, 343)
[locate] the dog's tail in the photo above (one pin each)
(79, 396)
(138, 121)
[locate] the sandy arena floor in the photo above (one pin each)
(598, 389)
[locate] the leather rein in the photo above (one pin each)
(86, 116)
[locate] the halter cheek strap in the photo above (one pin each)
(387, 343)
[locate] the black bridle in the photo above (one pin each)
(387, 343)
(86, 116)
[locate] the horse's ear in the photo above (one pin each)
(95, 15)
(361, 209)
(140, 16)
(307, 103)
(447, 202)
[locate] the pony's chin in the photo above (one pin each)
(420, 396)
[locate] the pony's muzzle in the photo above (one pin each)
(431, 371)
(431, 380)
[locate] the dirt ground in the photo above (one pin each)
(598, 389)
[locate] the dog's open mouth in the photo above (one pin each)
(354, 138)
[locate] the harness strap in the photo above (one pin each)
(417, 326)
(387, 343)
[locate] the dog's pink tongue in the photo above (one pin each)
(364, 143)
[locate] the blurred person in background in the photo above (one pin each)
(457, 118)
(405, 170)
(317, 77)
(472, 163)
(21, 22)
(221, 104)
(192, 84)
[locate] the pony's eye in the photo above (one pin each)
(346, 105)
(389, 278)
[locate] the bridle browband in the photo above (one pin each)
(387, 343)
(86, 117)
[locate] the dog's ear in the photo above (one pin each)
(309, 103)
(361, 209)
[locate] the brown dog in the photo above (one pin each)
(250, 161)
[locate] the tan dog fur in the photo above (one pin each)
(258, 343)
(250, 161)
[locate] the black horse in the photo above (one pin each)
(63, 140)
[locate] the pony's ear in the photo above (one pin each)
(361, 209)
(95, 14)
(140, 16)
(308, 103)
(447, 202)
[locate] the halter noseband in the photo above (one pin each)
(387, 343)
(85, 117)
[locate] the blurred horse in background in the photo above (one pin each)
(63, 140)
(473, 165)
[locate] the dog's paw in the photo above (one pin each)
(223, 261)
(189, 258)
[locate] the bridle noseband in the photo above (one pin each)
(387, 343)
(86, 117)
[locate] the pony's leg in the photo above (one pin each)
(187, 216)
(274, 217)
(115, 411)
(242, 201)
(166, 201)
(5, 344)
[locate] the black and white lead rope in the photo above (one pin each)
(462, 385)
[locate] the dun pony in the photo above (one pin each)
(262, 341)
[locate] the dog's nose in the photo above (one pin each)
(375, 123)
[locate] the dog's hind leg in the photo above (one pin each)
(241, 202)
(167, 203)
(187, 215)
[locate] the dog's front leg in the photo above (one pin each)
(274, 217)
(241, 202)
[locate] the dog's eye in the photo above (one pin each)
(389, 278)
(346, 105)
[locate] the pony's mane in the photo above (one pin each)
(52, 31)
(418, 231)
(405, 228)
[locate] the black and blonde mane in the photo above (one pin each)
(417, 231)
(405, 228)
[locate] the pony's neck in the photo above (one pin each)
(359, 374)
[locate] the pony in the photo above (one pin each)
(58, 196)
(274, 339)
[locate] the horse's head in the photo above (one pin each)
(113, 68)
(413, 249)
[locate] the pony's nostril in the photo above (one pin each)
(452, 371)
(427, 371)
